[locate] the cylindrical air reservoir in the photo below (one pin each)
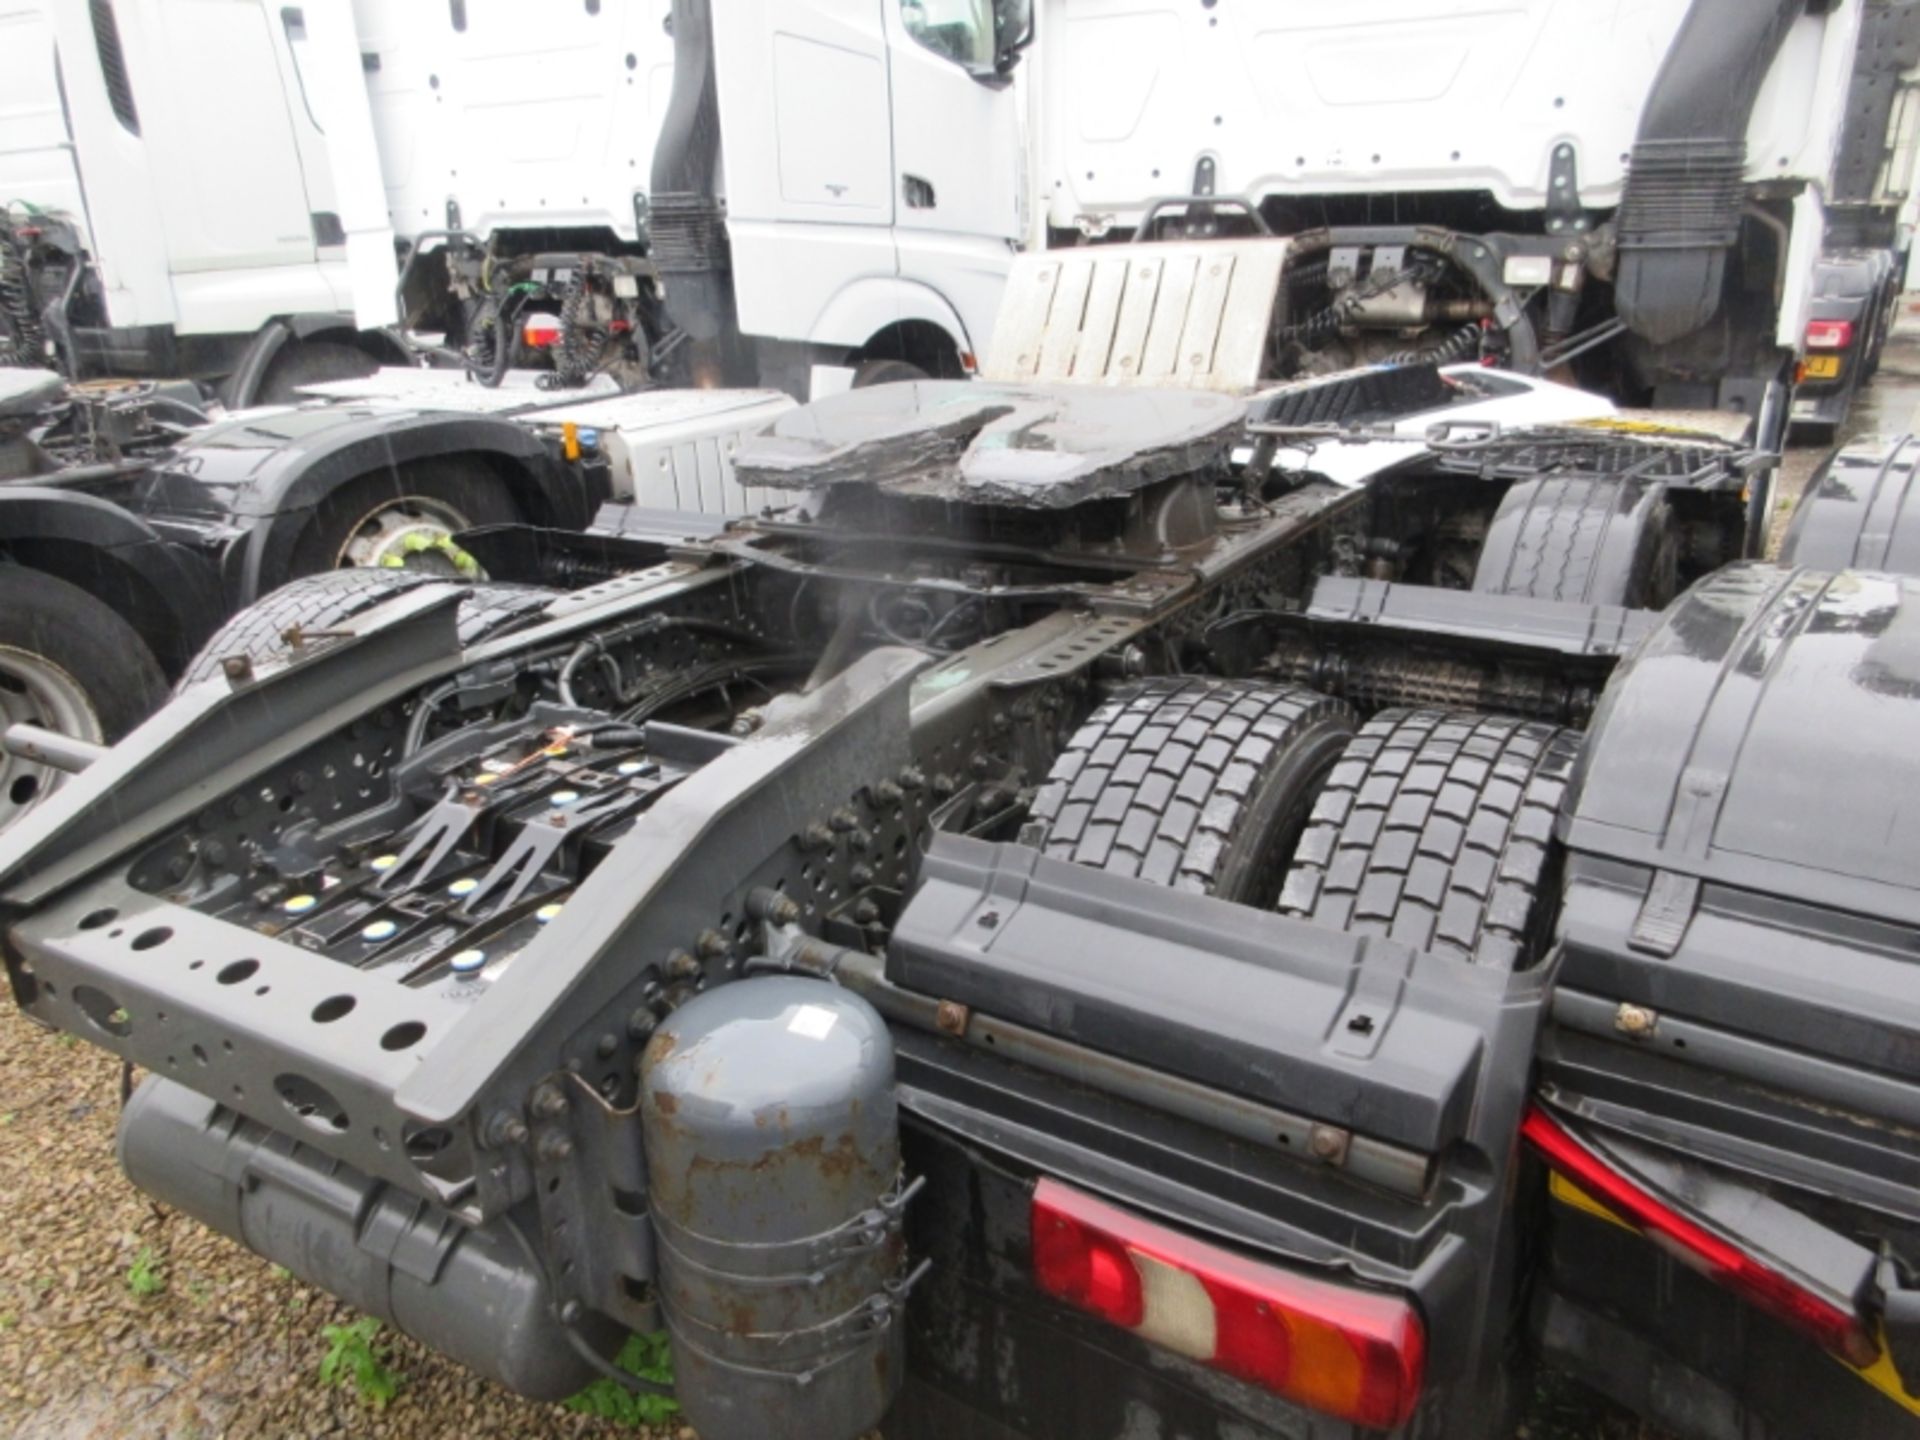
(773, 1163)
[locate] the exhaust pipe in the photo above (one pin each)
(688, 217)
(472, 1293)
(1686, 186)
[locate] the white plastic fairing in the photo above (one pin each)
(1535, 402)
(522, 115)
(1388, 96)
(36, 160)
(669, 449)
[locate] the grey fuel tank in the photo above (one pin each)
(773, 1157)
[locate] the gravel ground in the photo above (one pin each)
(226, 1346)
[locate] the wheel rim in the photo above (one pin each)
(411, 533)
(36, 691)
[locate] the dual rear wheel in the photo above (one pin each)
(1431, 828)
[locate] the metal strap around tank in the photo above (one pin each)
(808, 1259)
(834, 1341)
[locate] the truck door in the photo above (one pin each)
(342, 164)
(228, 165)
(958, 156)
(809, 154)
(36, 155)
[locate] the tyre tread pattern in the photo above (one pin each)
(1435, 829)
(1556, 547)
(318, 602)
(1154, 783)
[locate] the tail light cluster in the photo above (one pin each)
(1829, 334)
(1355, 1354)
(1834, 1327)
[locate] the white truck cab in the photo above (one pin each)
(179, 175)
(815, 193)
(1627, 194)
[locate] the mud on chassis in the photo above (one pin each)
(1053, 928)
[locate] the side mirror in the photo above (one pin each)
(1012, 32)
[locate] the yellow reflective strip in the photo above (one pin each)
(1881, 1375)
(1884, 1378)
(1568, 1193)
(1626, 426)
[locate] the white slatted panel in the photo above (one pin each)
(1194, 314)
(1162, 354)
(1062, 337)
(1102, 318)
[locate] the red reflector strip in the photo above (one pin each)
(1698, 1248)
(1829, 334)
(1350, 1353)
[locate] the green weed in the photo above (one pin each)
(351, 1358)
(143, 1276)
(648, 1357)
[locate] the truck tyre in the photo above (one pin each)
(1194, 783)
(1861, 511)
(886, 372)
(406, 520)
(320, 602)
(70, 664)
(1436, 829)
(310, 362)
(1588, 538)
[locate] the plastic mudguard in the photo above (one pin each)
(1572, 628)
(1738, 994)
(242, 489)
(1392, 1081)
(1862, 511)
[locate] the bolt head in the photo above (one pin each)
(1635, 1020)
(506, 1129)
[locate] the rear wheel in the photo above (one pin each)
(886, 372)
(1589, 538)
(1436, 829)
(1198, 784)
(311, 362)
(68, 663)
(323, 601)
(406, 520)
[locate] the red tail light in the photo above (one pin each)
(1834, 1327)
(541, 331)
(1829, 334)
(1351, 1353)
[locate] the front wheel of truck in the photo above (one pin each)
(405, 519)
(68, 664)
